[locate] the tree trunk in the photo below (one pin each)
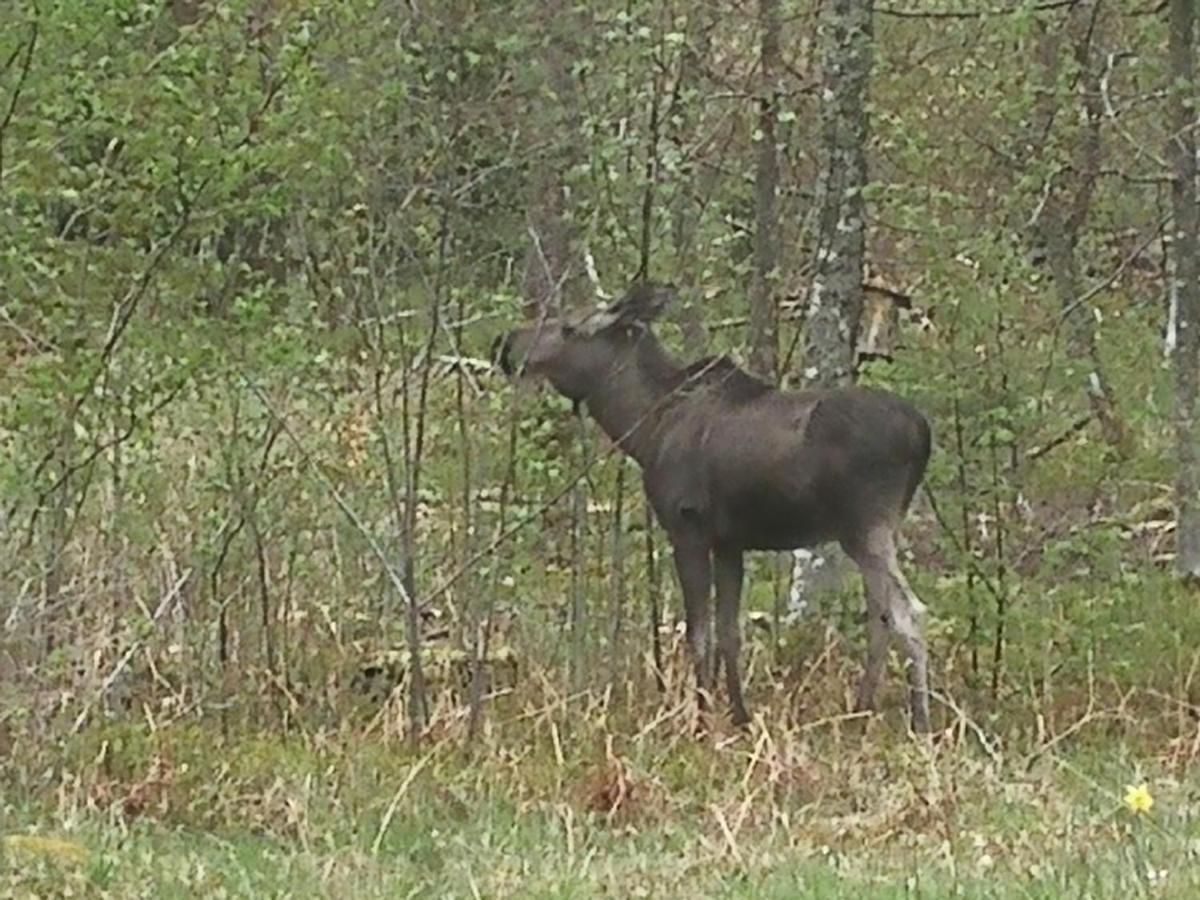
(1185, 283)
(550, 271)
(687, 207)
(835, 302)
(1066, 204)
(836, 298)
(763, 335)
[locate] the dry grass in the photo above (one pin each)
(564, 795)
(136, 760)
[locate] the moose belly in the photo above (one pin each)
(768, 520)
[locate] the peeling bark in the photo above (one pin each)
(763, 335)
(1185, 283)
(836, 299)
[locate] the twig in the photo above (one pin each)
(359, 526)
(1077, 426)
(1102, 285)
(129, 653)
(1116, 273)
(984, 741)
(26, 63)
(400, 792)
(970, 13)
(971, 562)
(730, 840)
(1047, 188)
(1140, 148)
(94, 453)
(555, 285)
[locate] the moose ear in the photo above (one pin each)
(645, 302)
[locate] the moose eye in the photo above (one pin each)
(569, 331)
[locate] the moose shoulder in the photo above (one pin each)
(732, 464)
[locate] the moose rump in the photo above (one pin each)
(731, 464)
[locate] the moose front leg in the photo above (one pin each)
(728, 570)
(694, 568)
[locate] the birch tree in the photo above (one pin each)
(766, 182)
(549, 258)
(1185, 283)
(836, 298)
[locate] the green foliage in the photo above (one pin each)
(248, 244)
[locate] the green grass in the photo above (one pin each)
(565, 796)
(562, 805)
(531, 859)
(544, 853)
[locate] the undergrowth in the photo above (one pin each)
(577, 795)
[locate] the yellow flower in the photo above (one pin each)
(1138, 799)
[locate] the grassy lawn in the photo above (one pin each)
(562, 805)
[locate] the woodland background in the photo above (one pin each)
(297, 594)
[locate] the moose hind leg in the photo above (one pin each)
(892, 607)
(907, 612)
(728, 571)
(876, 582)
(694, 568)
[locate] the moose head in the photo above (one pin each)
(577, 352)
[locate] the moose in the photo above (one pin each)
(732, 464)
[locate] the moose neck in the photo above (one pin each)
(628, 403)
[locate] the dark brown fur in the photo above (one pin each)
(730, 464)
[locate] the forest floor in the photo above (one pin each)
(560, 798)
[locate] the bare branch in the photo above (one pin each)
(392, 574)
(971, 13)
(136, 645)
(1106, 282)
(22, 76)
(1077, 426)
(1141, 148)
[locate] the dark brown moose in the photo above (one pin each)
(730, 464)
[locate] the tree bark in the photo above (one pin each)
(836, 299)
(1065, 207)
(690, 201)
(550, 269)
(1185, 283)
(763, 336)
